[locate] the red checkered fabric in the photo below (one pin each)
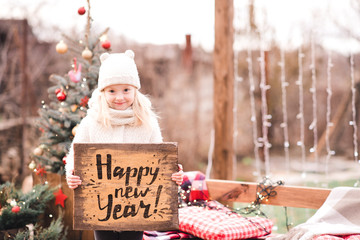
(331, 237)
(211, 224)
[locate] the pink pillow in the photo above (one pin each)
(212, 224)
(331, 237)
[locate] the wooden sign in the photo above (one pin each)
(126, 187)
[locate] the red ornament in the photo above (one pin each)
(57, 90)
(40, 171)
(64, 160)
(84, 101)
(60, 197)
(81, 11)
(61, 96)
(106, 44)
(15, 209)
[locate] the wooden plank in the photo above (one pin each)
(126, 187)
(223, 164)
(289, 196)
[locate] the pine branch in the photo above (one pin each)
(31, 205)
(55, 231)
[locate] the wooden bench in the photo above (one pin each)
(225, 191)
(287, 196)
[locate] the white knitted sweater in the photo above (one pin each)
(92, 131)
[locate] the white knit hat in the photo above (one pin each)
(118, 68)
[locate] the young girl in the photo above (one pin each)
(118, 113)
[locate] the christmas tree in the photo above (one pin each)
(68, 98)
(18, 209)
(55, 231)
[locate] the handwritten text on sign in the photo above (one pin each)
(126, 187)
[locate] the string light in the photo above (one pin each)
(237, 80)
(264, 108)
(284, 124)
(300, 115)
(264, 191)
(313, 125)
(328, 114)
(253, 113)
(353, 109)
(288, 225)
(43, 104)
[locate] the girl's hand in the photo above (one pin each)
(178, 176)
(73, 181)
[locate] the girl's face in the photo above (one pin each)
(120, 96)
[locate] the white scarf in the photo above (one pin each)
(122, 117)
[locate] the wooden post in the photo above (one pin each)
(223, 90)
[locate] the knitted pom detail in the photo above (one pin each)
(104, 56)
(130, 54)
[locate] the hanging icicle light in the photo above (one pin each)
(256, 142)
(284, 124)
(264, 108)
(329, 124)
(313, 125)
(300, 115)
(353, 108)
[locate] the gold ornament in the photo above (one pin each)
(51, 121)
(38, 151)
(87, 54)
(74, 130)
(103, 38)
(63, 110)
(61, 47)
(13, 203)
(32, 165)
(74, 107)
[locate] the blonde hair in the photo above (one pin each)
(141, 106)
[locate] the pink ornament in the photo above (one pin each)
(75, 74)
